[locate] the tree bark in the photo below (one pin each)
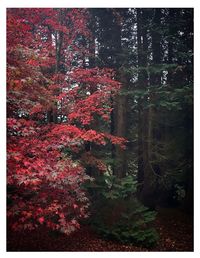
(120, 127)
(109, 32)
(142, 114)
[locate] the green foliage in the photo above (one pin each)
(117, 214)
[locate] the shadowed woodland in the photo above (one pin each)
(100, 129)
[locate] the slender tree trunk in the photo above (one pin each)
(52, 115)
(142, 113)
(120, 112)
(153, 171)
(120, 127)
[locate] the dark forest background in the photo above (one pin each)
(152, 51)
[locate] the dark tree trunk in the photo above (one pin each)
(120, 127)
(148, 132)
(109, 38)
(142, 114)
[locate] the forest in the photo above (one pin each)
(100, 129)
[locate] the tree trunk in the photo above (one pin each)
(142, 113)
(109, 32)
(120, 127)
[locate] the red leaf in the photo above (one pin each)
(41, 220)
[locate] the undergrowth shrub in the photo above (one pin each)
(117, 214)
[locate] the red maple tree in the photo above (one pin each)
(52, 101)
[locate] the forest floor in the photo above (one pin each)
(174, 227)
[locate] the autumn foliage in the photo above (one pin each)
(53, 99)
